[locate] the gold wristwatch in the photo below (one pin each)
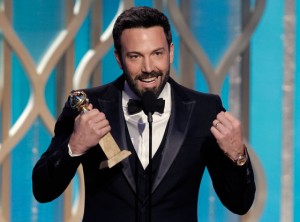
(242, 158)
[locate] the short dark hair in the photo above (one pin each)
(140, 17)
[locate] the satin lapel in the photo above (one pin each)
(178, 125)
(111, 106)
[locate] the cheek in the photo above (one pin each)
(163, 64)
(132, 70)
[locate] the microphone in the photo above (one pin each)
(149, 103)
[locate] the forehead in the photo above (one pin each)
(139, 38)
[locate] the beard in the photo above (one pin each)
(156, 90)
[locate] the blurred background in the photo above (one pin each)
(244, 50)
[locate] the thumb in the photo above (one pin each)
(90, 106)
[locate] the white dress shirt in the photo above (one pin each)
(138, 125)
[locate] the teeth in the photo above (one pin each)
(148, 80)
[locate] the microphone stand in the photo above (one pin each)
(150, 120)
(149, 101)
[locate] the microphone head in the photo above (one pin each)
(149, 102)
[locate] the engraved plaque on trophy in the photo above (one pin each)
(79, 101)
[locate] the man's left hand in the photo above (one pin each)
(228, 132)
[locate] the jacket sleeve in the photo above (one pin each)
(55, 169)
(234, 185)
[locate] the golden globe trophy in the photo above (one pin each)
(79, 101)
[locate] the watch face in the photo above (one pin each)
(241, 160)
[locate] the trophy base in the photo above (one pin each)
(115, 159)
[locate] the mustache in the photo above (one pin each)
(146, 75)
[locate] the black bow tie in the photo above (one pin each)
(135, 106)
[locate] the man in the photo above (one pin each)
(192, 133)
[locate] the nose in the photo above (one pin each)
(147, 65)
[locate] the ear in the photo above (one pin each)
(171, 53)
(118, 58)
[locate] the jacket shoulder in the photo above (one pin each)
(191, 93)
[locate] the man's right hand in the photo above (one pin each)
(89, 128)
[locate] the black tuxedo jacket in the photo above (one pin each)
(110, 194)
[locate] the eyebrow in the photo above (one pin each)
(136, 52)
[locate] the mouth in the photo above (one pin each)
(149, 83)
(148, 80)
(149, 77)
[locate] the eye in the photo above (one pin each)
(158, 53)
(134, 56)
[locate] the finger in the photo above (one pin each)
(99, 117)
(229, 116)
(221, 128)
(221, 123)
(216, 123)
(103, 130)
(102, 123)
(223, 119)
(86, 109)
(95, 114)
(88, 115)
(235, 122)
(217, 134)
